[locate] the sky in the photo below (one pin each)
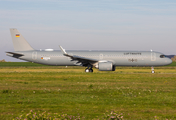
(139, 25)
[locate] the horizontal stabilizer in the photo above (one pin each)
(13, 54)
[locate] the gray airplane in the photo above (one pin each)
(102, 60)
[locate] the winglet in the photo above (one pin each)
(63, 50)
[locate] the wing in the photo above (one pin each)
(83, 60)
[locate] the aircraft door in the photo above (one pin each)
(34, 55)
(153, 56)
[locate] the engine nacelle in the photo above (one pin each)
(106, 66)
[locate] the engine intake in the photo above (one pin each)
(106, 66)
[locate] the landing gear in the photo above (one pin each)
(91, 70)
(152, 70)
(88, 70)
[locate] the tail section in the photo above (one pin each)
(19, 42)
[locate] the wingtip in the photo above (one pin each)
(63, 50)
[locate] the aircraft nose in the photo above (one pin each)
(169, 61)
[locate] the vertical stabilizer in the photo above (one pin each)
(19, 43)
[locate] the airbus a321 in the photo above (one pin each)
(102, 60)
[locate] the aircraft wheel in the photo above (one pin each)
(152, 70)
(90, 70)
(87, 70)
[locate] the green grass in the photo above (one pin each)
(20, 64)
(132, 91)
(172, 64)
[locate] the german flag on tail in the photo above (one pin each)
(17, 35)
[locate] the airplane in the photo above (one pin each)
(102, 60)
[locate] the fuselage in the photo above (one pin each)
(118, 58)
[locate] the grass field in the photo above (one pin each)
(131, 91)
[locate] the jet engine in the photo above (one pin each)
(106, 66)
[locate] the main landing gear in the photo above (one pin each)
(88, 70)
(152, 70)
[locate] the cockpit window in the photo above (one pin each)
(162, 56)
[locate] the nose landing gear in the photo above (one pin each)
(152, 70)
